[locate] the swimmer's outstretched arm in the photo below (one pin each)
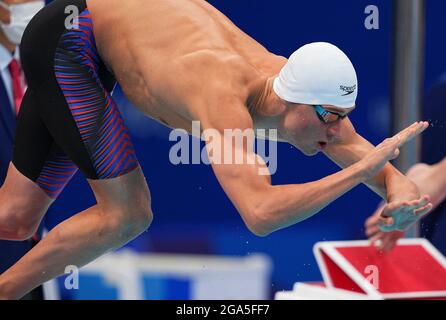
(266, 208)
(389, 183)
(404, 204)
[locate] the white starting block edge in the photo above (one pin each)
(315, 292)
(305, 291)
(329, 247)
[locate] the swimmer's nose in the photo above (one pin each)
(333, 132)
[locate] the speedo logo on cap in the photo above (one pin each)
(348, 90)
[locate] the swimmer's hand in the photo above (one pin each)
(400, 215)
(389, 149)
(392, 218)
(423, 176)
(384, 241)
(389, 221)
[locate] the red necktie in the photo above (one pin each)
(17, 85)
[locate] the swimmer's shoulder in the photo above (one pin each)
(207, 78)
(210, 70)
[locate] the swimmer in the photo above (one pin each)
(178, 61)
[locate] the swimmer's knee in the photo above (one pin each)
(141, 219)
(139, 214)
(127, 223)
(20, 215)
(19, 234)
(14, 225)
(125, 205)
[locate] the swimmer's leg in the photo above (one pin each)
(38, 173)
(122, 212)
(22, 206)
(79, 123)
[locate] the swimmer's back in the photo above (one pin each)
(168, 28)
(164, 52)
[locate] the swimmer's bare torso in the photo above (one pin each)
(176, 59)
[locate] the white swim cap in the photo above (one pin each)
(318, 73)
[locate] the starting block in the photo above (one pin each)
(312, 291)
(414, 269)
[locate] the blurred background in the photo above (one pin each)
(193, 216)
